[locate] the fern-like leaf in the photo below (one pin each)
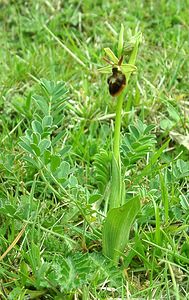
(137, 143)
(102, 165)
(70, 273)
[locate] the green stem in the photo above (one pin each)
(116, 142)
(115, 199)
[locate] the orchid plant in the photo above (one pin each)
(121, 212)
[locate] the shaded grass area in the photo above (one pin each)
(59, 255)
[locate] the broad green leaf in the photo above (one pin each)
(117, 227)
(121, 41)
(36, 149)
(36, 126)
(46, 134)
(26, 147)
(63, 151)
(42, 104)
(36, 137)
(44, 144)
(26, 139)
(28, 134)
(63, 170)
(134, 131)
(48, 86)
(59, 92)
(94, 198)
(149, 128)
(47, 121)
(57, 137)
(55, 162)
(111, 55)
(46, 156)
(32, 162)
(73, 182)
(116, 187)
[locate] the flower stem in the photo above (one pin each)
(116, 142)
(115, 199)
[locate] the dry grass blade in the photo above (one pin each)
(13, 243)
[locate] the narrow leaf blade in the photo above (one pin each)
(120, 42)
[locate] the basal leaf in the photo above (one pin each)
(116, 185)
(117, 227)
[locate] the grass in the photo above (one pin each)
(53, 202)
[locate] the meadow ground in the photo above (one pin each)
(55, 157)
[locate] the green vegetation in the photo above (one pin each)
(87, 212)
